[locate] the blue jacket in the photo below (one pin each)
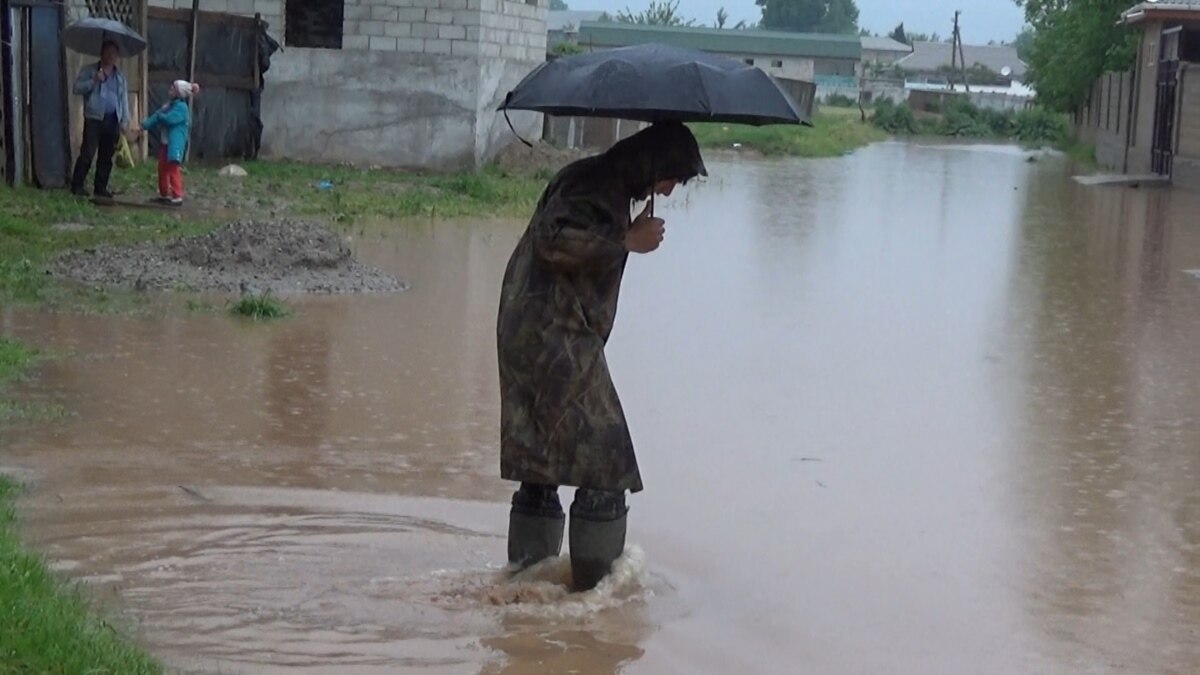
(174, 121)
(93, 102)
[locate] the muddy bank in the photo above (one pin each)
(281, 256)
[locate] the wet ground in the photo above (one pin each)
(923, 409)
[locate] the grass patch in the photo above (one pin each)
(260, 307)
(835, 133)
(45, 626)
(15, 358)
(1083, 154)
(347, 193)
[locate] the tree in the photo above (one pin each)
(864, 32)
(665, 13)
(899, 35)
(1074, 43)
(1024, 43)
(722, 17)
(810, 16)
(558, 5)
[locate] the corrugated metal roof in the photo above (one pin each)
(767, 43)
(559, 19)
(884, 44)
(930, 56)
(1136, 13)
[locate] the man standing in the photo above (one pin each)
(561, 421)
(105, 95)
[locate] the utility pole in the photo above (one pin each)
(956, 50)
(953, 51)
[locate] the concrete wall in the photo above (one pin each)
(882, 57)
(1146, 70)
(415, 85)
(1186, 170)
(791, 67)
(1104, 119)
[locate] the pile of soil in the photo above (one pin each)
(280, 256)
(542, 158)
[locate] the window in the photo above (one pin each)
(777, 63)
(749, 62)
(314, 24)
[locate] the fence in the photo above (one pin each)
(224, 57)
(1105, 118)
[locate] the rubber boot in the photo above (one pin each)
(535, 525)
(595, 546)
(533, 537)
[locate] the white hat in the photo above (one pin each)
(186, 88)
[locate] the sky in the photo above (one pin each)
(982, 20)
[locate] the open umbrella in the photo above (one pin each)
(655, 83)
(87, 36)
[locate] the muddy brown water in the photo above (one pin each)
(919, 410)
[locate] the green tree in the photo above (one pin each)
(722, 17)
(1024, 43)
(899, 35)
(558, 5)
(1074, 42)
(810, 16)
(665, 13)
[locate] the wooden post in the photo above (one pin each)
(956, 47)
(191, 67)
(953, 51)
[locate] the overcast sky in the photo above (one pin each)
(982, 20)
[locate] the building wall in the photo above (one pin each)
(1146, 85)
(1186, 170)
(791, 67)
(882, 57)
(415, 85)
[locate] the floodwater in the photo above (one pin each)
(919, 410)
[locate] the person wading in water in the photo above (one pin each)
(561, 421)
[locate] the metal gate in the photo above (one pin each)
(1163, 152)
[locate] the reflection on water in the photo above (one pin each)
(923, 409)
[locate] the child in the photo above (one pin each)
(173, 122)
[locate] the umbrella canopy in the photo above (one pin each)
(655, 83)
(87, 36)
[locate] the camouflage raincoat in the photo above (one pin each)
(561, 421)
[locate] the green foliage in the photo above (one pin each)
(664, 13)
(834, 134)
(899, 35)
(961, 119)
(840, 101)
(566, 49)
(810, 16)
(1074, 42)
(1024, 43)
(260, 307)
(558, 5)
(46, 627)
(894, 119)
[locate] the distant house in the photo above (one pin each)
(795, 56)
(933, 63)
(883, 51)
(563, 25)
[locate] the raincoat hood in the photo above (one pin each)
(664, 151)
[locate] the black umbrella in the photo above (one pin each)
(655, 83)
(87, 36)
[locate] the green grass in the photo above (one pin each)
(260, 307)
(294, 188)
(46, 626)
(15, 359)
(834, 133)
(1083, 154)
